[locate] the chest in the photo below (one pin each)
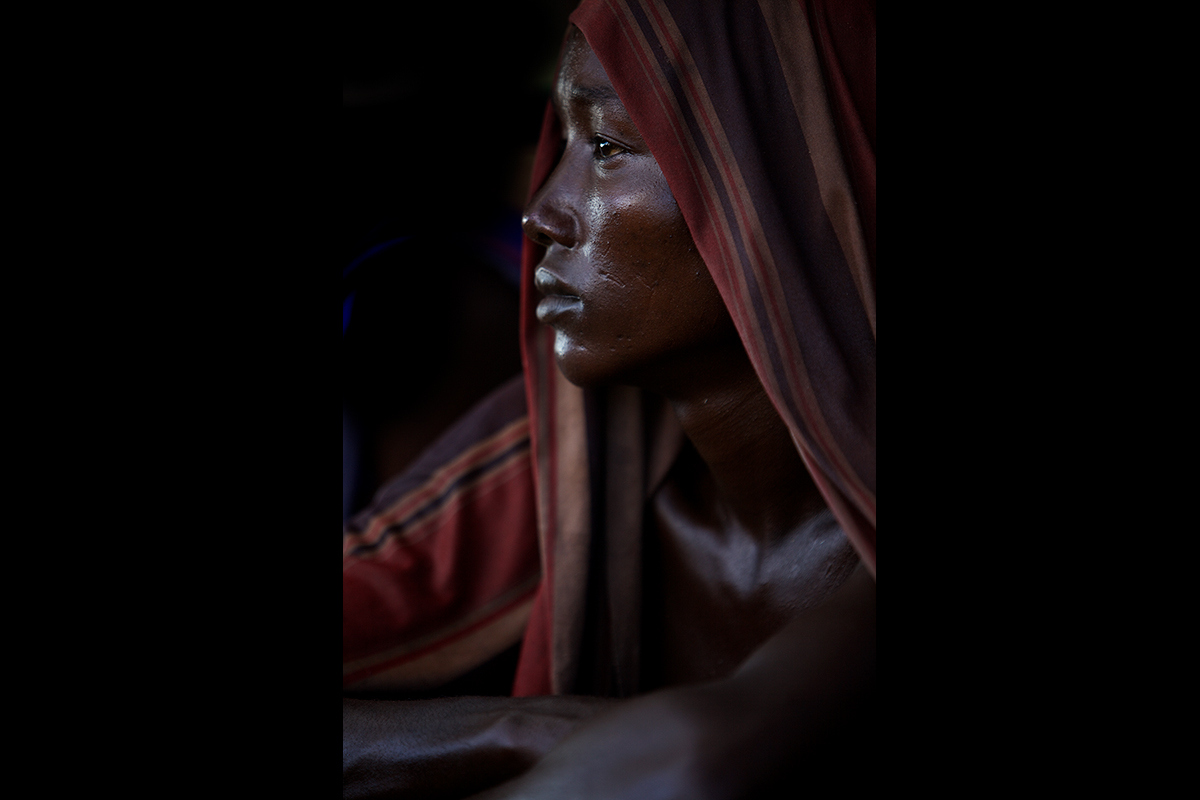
(713, 593)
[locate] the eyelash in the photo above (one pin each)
(597, 143)
(600, 141)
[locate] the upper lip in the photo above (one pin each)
(550, 285)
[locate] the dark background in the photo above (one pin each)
(441, 108)
(439, 104)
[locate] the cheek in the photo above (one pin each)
(640, 244)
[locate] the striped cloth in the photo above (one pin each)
(439, 574)
(761, 114)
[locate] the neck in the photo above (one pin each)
(759, 476)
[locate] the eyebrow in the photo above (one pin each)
(592, 95)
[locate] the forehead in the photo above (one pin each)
(582, 82)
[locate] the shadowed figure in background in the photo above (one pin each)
(672, 514)
(405, 381)
(431, 192)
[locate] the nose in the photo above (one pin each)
(550, 217)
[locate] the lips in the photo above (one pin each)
(559, 297)
(550, 285)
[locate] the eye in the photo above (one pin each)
(604, 149)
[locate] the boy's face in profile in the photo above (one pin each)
(627, 293)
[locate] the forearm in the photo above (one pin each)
(802, 710)
(452, 747)
(793, 704)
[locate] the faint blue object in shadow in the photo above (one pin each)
(350, 458)
(349, 465)
(348, 286)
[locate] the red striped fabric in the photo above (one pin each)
(758, 131)
(440, 574)
(761, 116)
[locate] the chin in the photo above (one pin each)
(580, 373)
(583, 366)
(587, 370)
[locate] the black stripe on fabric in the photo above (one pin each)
(438, 503)
(595, 673)
(713, 167)
(742, 75)
(694, 128)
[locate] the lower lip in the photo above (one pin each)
(556, 306)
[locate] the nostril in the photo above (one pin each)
(532, 232)
(530, 229)
(536, 232)
(549, 219)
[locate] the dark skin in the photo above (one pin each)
(763, 621)
(797, 716)
(632, 302)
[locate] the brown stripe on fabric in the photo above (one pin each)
(707, 139)
(438, 483)
(715, 229)
(759, 257)
(760, 261)
(572, 528)
(839, 346)
(844, 32)
(541, 346)
(625, 499)
(450, 652)
(542, 349)
(737, 216)
(802, 71)
(537, 353)
(692, 142)
(484, 484)
(724, 271)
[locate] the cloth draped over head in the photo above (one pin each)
(761, 115)
(525, 523)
